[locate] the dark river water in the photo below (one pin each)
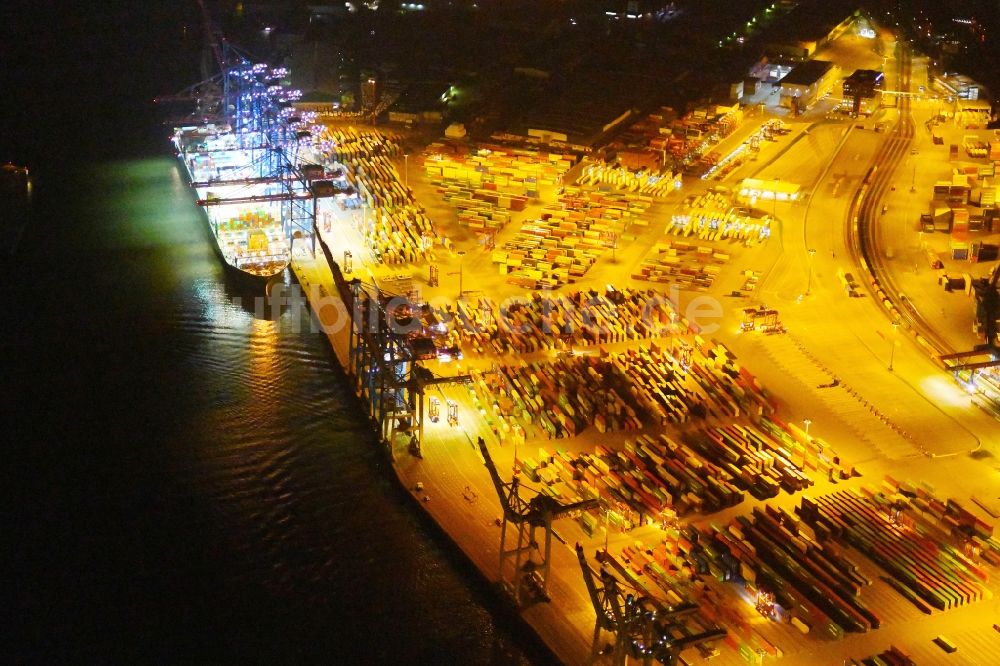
(183, 482)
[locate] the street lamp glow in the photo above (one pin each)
(812, 253)
(892, 343)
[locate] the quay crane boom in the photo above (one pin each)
(987, 316)
(527, 515)
(644, 628)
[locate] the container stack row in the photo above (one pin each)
(760, 464)
(952, 518)
(343, 144)
(548, 253)
(650, 477)
(684, 382)
(508, 171)
(560, 399)
(662, 385)
(815, 585)
(672, 475)
(654, 183)
(481, 213)
(697, 479)
(929, 566)
(610, 208)
(561, 321)
(804, 451)
(688, 265)
(400, 234)
(394, 225)
(564, 243)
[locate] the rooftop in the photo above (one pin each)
(583, 112)
(814, 19)
(807, 73)
(421, 96)
(866, 76)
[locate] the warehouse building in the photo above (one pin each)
(576, 116)
(810, 26)
(862, 90)
(420, 103)
(806, 83)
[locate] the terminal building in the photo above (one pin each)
(862, 90)
(579, 115)
(806, 83)
(972, 107)
(796, 33)
(755, 190)
(959, 86)
(811, 25)
(420, 102)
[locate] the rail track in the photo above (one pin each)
(864, 214)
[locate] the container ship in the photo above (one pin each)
(242, 210)
(15, 200)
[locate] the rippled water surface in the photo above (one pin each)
(186, 481)
(194, 479)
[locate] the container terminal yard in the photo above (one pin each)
(734, 410)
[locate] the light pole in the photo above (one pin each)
(812, 253)
(774, 199)
(892, 343)
(807, 422)
(607, 528)
(406, 169)
(461, 266)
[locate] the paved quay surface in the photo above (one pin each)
(831, 367)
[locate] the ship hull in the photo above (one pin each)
(244, 277)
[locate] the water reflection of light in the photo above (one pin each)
(219, 309)
(264, 357)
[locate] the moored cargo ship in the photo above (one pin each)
(242, 213)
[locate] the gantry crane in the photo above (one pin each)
(528, 516)
(382, 361)
(987, 316)
(616, 612)
(244, 107)
(644, 628)
(420, 379)
(208, 96)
